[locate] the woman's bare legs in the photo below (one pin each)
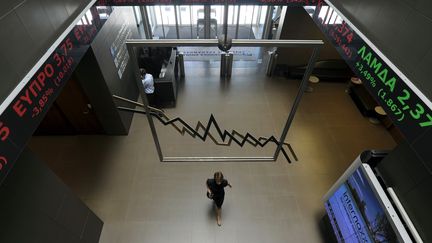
(218, 216)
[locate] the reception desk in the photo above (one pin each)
(162, 64)
(166, 84)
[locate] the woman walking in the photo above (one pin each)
(216, 191)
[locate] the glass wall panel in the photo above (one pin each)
(137, 12)
(246, 14)
(185, 22)
(168, 15)
(244, 22)
(233, 12)
(216, 20)
(152, 20)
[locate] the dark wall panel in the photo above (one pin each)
(421, 197)
(27, 29)
(424, 7)
(424, 67)
(299, 25)
(74, 5)
(58, 14)
(15, 45)
(7, 73)
(38, 207)
(369, 11)
(8, 5)
(126, 85)
(391, 20)
(423, 148)
(39, 28)
(73, 215)
(409, 50)
(351, 6)
(411, 177)
(93, 83)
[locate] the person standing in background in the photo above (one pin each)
(147, 80)
(216, 191)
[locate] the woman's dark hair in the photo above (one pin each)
(218, 175)
(142, 72)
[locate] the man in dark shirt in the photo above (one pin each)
(216, 191)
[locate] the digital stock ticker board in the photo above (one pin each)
(407, 111)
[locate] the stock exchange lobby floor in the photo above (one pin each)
(143, 200)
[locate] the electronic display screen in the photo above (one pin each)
(356, 214)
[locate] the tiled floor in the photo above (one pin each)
(143, 200)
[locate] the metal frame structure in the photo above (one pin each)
(133, 44)
(183, 128)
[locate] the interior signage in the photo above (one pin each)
(407, 111)
(26, 111)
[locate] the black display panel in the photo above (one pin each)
(407, 111)
(24, 114)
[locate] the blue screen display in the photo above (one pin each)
(356, 214)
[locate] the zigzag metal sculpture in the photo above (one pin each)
(186, 128)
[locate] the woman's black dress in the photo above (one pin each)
(218, 191)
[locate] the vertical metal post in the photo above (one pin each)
(180, 18)
(181, 64)
(223, 65)
(225, 23)
(190, 16)
(163, 27)
(281, 22)
(146, 22)
(207, 14)
(296, 103)
(176, 22)
(136, 17)
(233, 15)
(238, 20)
(251, 31)
(229, 62)
(272, 63)
(258, 15)
(135, 68)
(268, 25)
(150, 10)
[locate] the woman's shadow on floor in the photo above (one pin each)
(211, 211)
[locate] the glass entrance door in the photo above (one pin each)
(206, 22)
(251, 21)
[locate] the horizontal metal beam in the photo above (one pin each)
(172, 42)
(235, 42)
(277, 43)
(219, 159)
